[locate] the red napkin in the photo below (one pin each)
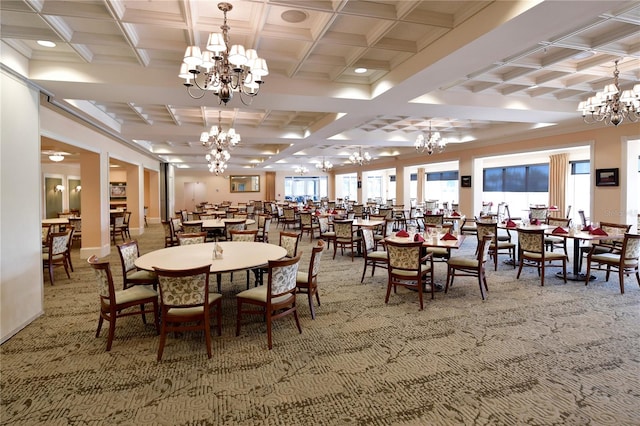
(418, 237)
(511, 224)
(334, 212)
(535, 222)
(448, 237)
(428, 211)
(554, 207)
(455, 214)
(318, 213)
(402, 233)
(598, 231)
(559, 230)
(295, 209)
(588, 228)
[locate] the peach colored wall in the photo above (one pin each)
(217, 188)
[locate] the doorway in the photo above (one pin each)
(194, 193)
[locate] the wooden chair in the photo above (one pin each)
(346, 236)
(275, 300)
(409, 268)
(471, 267)
(233, 225)
(191, 228)
(131, 275)
(307, 281)
(372, 257)
(606, 245)
(117, 226)
(385, 230)
(56, 253)
(186, 303)
(625, 261)
(67, 253)
(440, 254)
(185, 239)
(76, 223)
(308, 224)
(496, 247)
(531, 252)
(551, 242)
(168, 234)
(263, 222)
(116, 304)
(289, 218)
(325, 230)
(289, 240)
(539, 213)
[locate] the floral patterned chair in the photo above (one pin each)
(116, 304)
(625, 261)
(185, 239)
(131, 275)
(531, 252)
(56, 253)
(275, 300)
(372, 257)
(409, 268)
(307, 281)
(186, 303)
(346, 236)
(471, 267)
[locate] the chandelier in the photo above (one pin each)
(224, 69)
(301, 170)
(359, 158)
(217, 160)
(610, 105)
(431, 142)
(215, 136)
(325, 166)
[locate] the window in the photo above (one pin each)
(580, 167)
(347, 186)
(300, 189)
(450, 175)
(530, 178)
(442, 186)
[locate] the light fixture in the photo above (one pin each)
(215, 136)
(301, 170)
(610, 105)
(359, 158)
(217, 160)
(225, 69)
(325, 166)
(59, 188)
(431, 142)
(78, 188)
(57, 157)
(46, 43)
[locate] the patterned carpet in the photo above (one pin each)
(562, 354)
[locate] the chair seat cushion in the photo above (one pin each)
(502, 245)
(423, 270)
(194, 310)
(146, 276)
(548, 255)
(378, 255)
(134, 293)
(213, 297)
(302, 277)
(463, 262)
(328, 234)
(613, 259)
(259, 294)
(438, 251)
(554, 240)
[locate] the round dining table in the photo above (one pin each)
(236, 256)
(216, 223)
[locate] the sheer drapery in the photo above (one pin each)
(558, 169)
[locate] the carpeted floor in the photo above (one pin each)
(562, 354)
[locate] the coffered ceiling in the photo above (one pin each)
(477, 71)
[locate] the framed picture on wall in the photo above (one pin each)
(118, 190)
(465, 181)
(606, 177)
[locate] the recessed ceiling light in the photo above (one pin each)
(360, 70)
(294, 16)
(46, 43)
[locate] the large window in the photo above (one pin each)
(442, 186)
(300, 189)
(578, 197)
(530, 178)
(347, 186)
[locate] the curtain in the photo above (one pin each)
(558, 170)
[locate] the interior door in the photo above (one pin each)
(194, 193)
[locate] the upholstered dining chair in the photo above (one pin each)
(496, 247)
(604, 245)
(186, 303)
(55, 254)
(288, 218)
(263, 223)
(409, 268)
(467, 267)
(275, 300)
(551, 241)
(325, 230)
(193, 227)
(346, 237)
(185, 239)
(131, 275)
(116, 304)
(117, 226)
(625, 261)
(308, 224)
(289, 241)
(169, 240)
(76, 222)
(531, 252)
(307, 281)
(372, 257)
(233, 225)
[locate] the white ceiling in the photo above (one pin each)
(477, 71)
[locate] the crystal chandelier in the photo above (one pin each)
(431, 142)
(359, 158)
(301, 170)
(610, 105)
(325, 166)
(217, 160)
(224, 69)
(216, 137)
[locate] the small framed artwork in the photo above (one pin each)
(465, 181)
(606, 177)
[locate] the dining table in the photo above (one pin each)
(236, 256)
(217, 223)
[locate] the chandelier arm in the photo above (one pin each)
(194, 96)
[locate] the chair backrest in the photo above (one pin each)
(539, 213)
(343, 228)
(128, 252)
(59, 242)
(104, 279)
(583, 218)
(191, 227)
(323, 223)
(358, 209)
(262, 219)
(289, 213)
(244, 235)
(531, 240)
(289, 241)
(456, 206)
(367, 239)
(435, 219)
(314, 262)
(486, 229)
(404, 256)
(558, 221)
(187, 239)
(483, 249)
(184, 287)
(568, 212)
(507, 213)
(76, 222)
(234, 225)
(631, 248)
(305, 218)
(46, 232)
(127, 218)
(282, 277)
(118, 220)
(486, 208)
(613, 229)
(241, 215)
(388, 227)
(176, 225)
(431, 204)
(387, 212)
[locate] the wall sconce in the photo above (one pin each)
(58, 188)
(78, 188)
